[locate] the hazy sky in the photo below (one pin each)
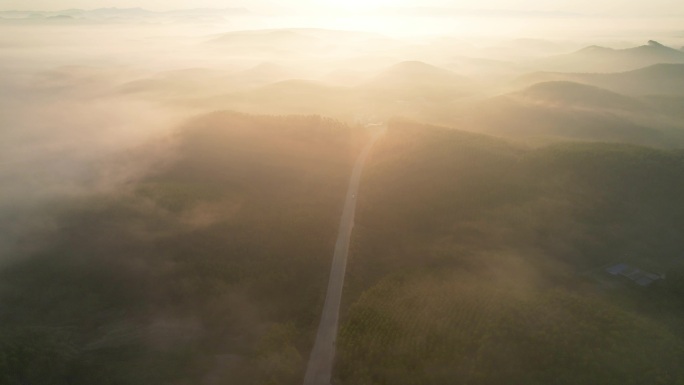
(605, 7)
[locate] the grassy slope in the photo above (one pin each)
(471, 260)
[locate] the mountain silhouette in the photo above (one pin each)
(603, 59)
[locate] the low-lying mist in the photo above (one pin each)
(171, 185)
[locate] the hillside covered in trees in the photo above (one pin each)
(482, 262)
(196, 272)
(175, 187)
(473, 260)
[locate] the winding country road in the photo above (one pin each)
(319, 369)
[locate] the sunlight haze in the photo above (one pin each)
(357, 192)
(585, 7)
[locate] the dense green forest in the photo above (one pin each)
(480, 262)
(372, 192)
(210, 269)
(474, 260)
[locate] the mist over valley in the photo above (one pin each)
(348, 194)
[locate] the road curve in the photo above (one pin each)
(319, 369)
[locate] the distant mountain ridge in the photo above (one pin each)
(419, 80)
(119, 14)
(657, 79)
(603, 59)
(569, 93)
(566, 110)
(418, 72)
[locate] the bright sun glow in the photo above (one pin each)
(360, 4)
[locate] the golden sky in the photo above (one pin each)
(591, 7)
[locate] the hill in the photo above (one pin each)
(658, 79)
(553, 111)
(118, 15)
(470, 260)
(194, 273)
(267, 39)
(573, 94)
(266, 73)
(417, 81)
(602, 59)
(292, 97)
(407, 88)
(188, 85)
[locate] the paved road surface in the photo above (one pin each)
(319, 370)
